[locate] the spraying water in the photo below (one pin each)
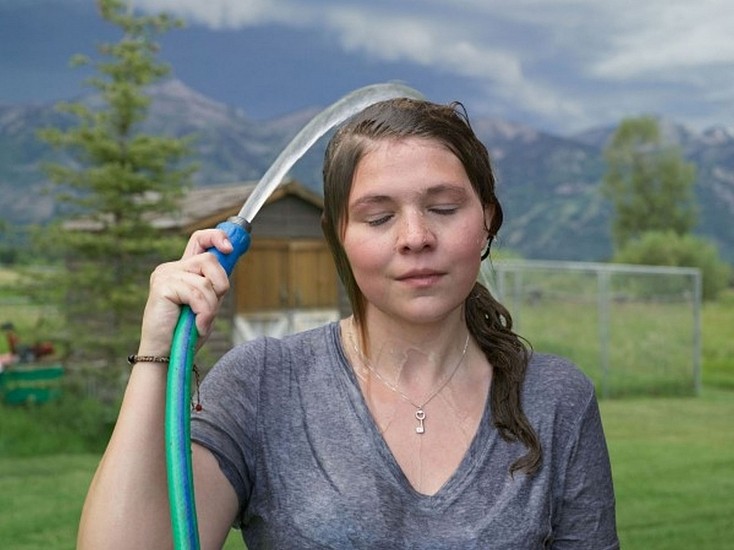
(337, 113)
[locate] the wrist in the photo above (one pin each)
(138, 358)
(154, 347)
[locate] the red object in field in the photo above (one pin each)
(26, 353)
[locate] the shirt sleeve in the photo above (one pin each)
(586, 516)
(227, 423)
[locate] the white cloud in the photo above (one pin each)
(439, 39)
(558, 64)
(665, 37)
(560, 60)
(453, 47)
(422, 41)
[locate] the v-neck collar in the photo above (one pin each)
(459, 477)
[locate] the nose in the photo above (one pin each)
(415, 233)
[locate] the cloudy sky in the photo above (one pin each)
(558, 65)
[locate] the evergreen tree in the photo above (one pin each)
(116, 182)
(649, 183)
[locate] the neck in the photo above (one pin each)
(415, 357)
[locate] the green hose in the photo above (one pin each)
(178, 434)
(181, 498)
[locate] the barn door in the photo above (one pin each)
(284, 286)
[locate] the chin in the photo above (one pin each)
(427, 314)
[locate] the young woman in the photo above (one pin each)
(421, 421)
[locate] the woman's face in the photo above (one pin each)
(415, 230)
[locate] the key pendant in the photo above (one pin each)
(420, 415)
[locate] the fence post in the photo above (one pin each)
(697, 298)
(603, 312)
(517, 297)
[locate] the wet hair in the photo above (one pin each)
(489, 322)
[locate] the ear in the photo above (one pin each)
(489, 212)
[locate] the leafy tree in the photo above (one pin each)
(116, 181)
(649, 183)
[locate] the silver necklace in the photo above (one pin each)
(420, 413)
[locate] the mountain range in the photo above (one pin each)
(548, 184)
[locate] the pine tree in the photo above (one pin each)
(116, 181)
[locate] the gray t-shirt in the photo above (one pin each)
(292, 433)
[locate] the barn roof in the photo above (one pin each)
(208, 205)
(202, 203)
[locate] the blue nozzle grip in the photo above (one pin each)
(238, 233)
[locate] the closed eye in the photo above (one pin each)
(379, 220)
(444, 210)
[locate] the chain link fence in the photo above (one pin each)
(634, 330)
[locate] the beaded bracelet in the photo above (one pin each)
(133, 358)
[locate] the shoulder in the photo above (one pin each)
(555, 374)
(556, 389)
(266, 357)
(313, 338)
(259, 371)
(267, 348)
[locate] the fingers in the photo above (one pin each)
(210, 274)
(205, 239)
(198, 281)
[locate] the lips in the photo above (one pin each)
(420, 276)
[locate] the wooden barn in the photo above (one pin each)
(287, 281)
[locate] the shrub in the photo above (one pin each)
(73, 423)
(667, 248)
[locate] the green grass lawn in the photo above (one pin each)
(41, 500)
(673, 462)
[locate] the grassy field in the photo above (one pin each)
(673, 461)
(42, 500)
(673, 464)
(673, 458)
